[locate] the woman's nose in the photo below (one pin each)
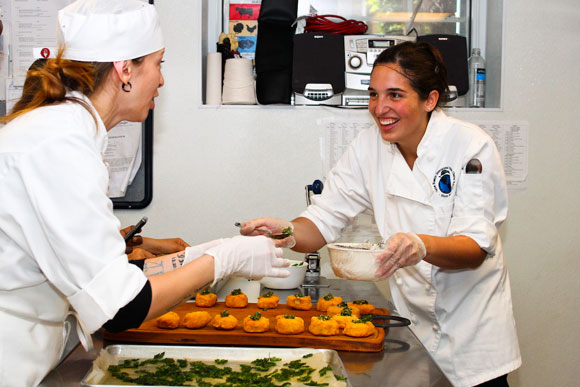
(382, 105)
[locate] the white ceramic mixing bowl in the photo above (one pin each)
(297, 271)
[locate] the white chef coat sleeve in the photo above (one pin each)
(344, 196)
(80, 250)
(481, 200)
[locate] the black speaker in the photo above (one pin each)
(318, 58)
(453, 48)
(274, 51)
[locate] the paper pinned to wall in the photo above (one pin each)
(123, 156)
(338, 134)
(33, 25)
(511, 139)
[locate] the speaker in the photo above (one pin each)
(318, 58)
(274, 51)
(453, 49)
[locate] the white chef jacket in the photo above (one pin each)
(60, 245)
(464, 318)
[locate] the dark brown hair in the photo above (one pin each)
(422, 65)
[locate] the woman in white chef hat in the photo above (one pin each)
(438, 192)
(60, 247)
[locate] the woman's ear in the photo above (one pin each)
(431, 101)
(123, 70)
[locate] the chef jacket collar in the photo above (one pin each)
(400, 180)
(430, 145)
(100, 134)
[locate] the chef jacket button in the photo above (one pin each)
(435, 328)
(427, 287)
(399, 280)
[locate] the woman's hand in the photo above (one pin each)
(163, 246)
(139, 253)
(274, 226)
(252, 258)
(131, 243)
(402, 250)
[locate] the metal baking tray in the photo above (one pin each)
(125, 351)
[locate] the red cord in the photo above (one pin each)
(321, 23)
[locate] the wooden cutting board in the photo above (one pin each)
(149, 333)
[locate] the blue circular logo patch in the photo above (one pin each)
(444, 181)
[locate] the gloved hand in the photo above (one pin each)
(194, 252)
(274, 225)
(249, 257)
(402, 250)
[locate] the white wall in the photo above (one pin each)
(215, 166)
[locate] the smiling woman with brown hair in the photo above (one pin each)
(439, 219)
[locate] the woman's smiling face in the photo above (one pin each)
(400, 114)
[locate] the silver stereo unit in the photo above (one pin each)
(355, 98)
(360, 52)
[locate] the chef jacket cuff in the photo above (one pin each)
(483, 232)
(113, 288)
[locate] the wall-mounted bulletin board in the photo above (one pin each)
(29, 33)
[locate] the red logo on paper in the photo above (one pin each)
(45, 53)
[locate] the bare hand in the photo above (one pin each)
(138, 254)
(273, 225)
(164, 246)
(133, 242)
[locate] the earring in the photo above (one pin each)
(125, 84)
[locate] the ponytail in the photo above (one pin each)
(48, 83)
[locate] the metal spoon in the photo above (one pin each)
(268, 233)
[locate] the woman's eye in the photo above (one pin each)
(372, 94)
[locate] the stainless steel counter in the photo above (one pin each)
(404, 362)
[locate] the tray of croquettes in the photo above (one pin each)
(332, 323)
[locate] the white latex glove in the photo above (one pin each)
(402, 250)
(194, 252)
(249, 257)
(274, 225)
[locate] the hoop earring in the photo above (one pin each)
(125, 84)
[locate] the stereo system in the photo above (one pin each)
(332, 69)
(360, 52)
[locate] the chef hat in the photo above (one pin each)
(108, 30)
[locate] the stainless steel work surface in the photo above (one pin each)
(404, 362)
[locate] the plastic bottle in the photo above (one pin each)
(476, 79)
